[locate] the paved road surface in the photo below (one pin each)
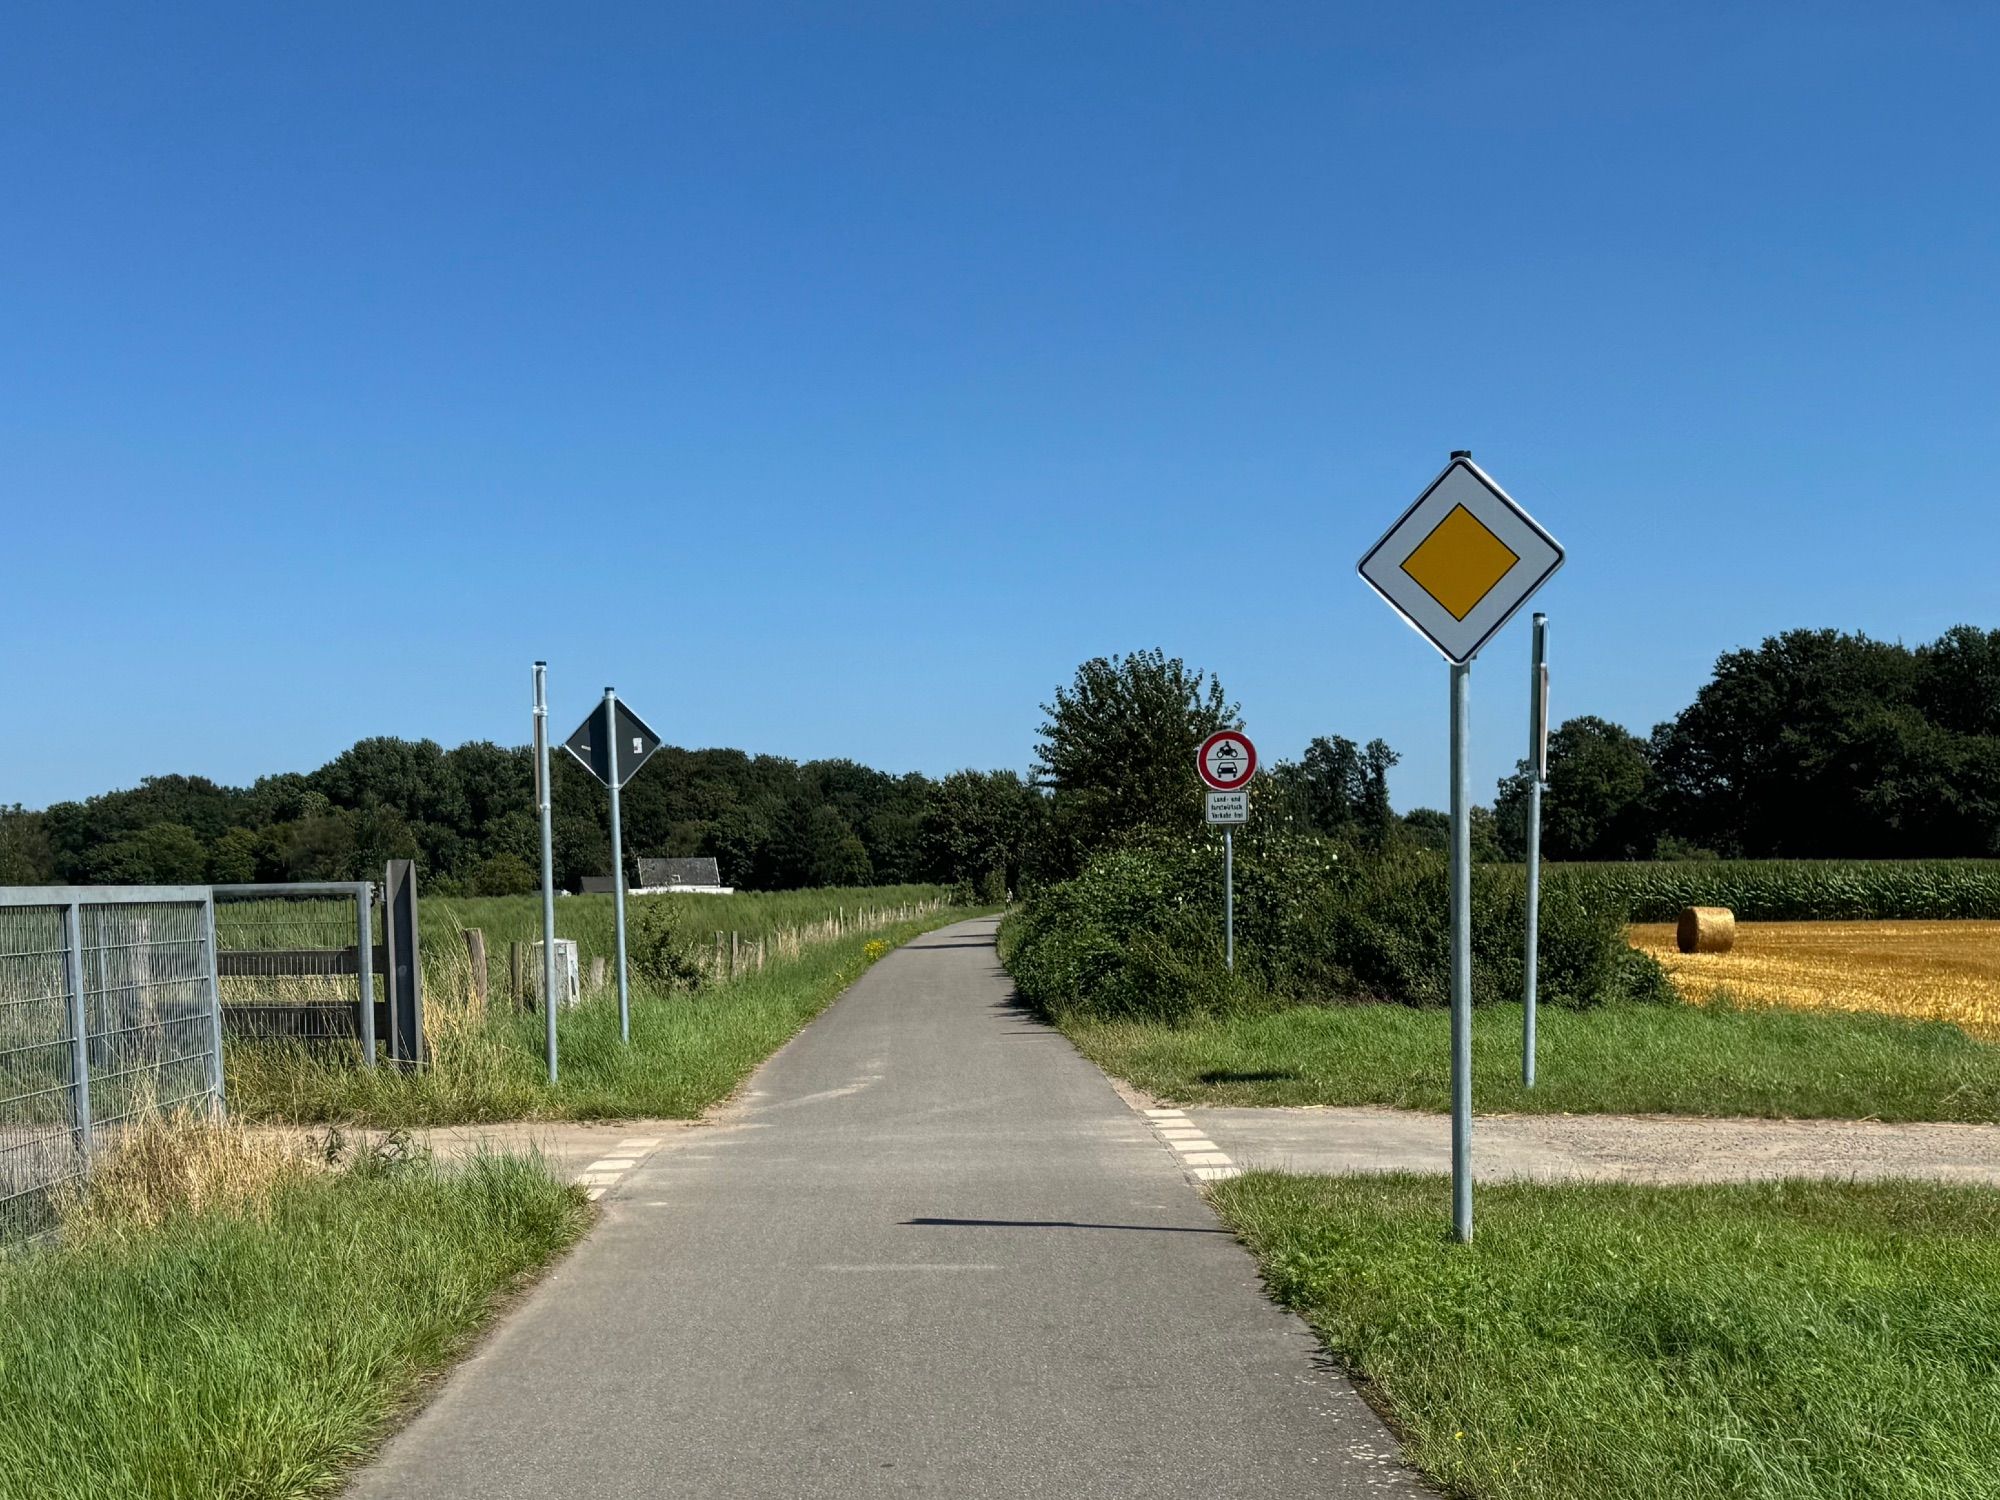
(932, 1253)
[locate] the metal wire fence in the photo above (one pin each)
(108, 1013)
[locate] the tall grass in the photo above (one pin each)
(591, 920)
(224, 1317)
(688, 1050)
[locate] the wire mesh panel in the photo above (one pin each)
(147, 1008)
(39, 1126)
(297, 964)
(107, 1015)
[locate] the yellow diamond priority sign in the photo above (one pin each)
(1461, 560)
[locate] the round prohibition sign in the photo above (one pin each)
(1227, 760)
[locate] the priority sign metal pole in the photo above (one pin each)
(618, 867)
(1461, 956)
(1538, 771)
(1455, 566)
(544, 810)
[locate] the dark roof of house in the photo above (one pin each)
(657, 872)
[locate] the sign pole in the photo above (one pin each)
(543, 807)
(1229, 899)
(1226, 761)
(1456, 565)
(618, 866)
(1538, 774)
(1461, 956)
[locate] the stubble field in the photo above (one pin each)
(1921, 971)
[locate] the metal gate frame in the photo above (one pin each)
(362, 893)
(402, 966)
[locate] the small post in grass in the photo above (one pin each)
(475, 954)
(1538, 776)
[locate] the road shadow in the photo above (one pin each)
(1268, 1075)
(986, 943)
(1056, 1224)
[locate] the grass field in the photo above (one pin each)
(1675, 1059)
(252, 1341)
(590, 919)
(1781, 1342)
(1931, 971)
(688, 1051)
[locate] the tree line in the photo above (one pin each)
(467, 817)
(1814, 744)
(1817, 743)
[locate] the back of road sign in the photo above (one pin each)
(591, 744)
(1461, 560)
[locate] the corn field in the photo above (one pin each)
(1795, 890)
(1927, 971)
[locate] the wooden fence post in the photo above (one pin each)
(475, 950)
(517, 975)
(596, 974)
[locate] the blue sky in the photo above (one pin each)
(833, 379)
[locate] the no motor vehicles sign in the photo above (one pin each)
(1227, 761)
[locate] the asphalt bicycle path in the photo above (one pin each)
(931, 1252)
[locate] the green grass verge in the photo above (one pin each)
(1775, 1342)
(1670, 1059)
(257, 1352)
(688, 1052)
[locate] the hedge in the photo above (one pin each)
(1798, 890)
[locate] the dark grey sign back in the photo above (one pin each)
(591, 744)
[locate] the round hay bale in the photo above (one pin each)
(1706, 929)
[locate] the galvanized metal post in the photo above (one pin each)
(1229, 899)
(1461, 956)
(79, 1029)
(543, 807)
(364, 951)
(214, 1001)
(1538, 770)
(618, 866)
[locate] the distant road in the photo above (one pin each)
(931, 1253)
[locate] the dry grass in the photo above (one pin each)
(185, 1163)
(1930, 971)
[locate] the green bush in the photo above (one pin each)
(664, 953)
(1793, 890)
(1139, 933)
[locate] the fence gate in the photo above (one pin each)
(327, 964)
(108, 1013)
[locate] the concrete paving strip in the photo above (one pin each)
(928, 1253)
(572, 1149)
(1605, 1148)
